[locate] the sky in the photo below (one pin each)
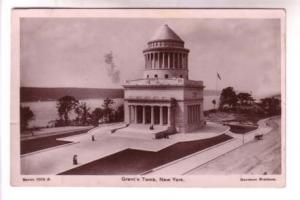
(72, 52)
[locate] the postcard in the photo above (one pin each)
(148, 97)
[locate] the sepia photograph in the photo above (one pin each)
(148, 97)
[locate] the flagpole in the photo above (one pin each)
(216, 75)
(216, 80)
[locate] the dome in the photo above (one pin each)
(166, 33)
(166, 57)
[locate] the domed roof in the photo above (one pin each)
(165, 33)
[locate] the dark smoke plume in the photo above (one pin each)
(111, 68)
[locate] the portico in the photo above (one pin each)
(149, 114)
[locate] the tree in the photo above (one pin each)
(119, 113)
(271, 105)
(26, 115)
(228, 97)
(64, 106)
(214, 102)
(83, 115)
(107, 109)
(244, 99)
(96, 115)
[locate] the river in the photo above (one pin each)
(45, 111)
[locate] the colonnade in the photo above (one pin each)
(194, 114)
(149, 114)
(166, 60)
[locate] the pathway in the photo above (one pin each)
(59, 159)
(45, 132)
(184, 165)
(256, 157)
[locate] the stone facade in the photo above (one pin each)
(165, 96)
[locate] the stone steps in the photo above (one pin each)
(128, 134)
(139, 131)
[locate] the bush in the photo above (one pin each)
(26, 115)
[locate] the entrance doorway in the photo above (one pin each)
(165, 115)
(139, 112)
(148, 114)
(156, 115)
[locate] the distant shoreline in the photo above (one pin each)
(32, 94)
(35, 94)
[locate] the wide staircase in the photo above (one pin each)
(140, 131)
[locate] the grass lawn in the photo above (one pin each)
(233, 116)
(131, 161)
(241, 129)
(28, 146)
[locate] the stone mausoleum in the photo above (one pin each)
(165, 96)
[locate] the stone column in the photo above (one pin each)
(198, 113)
(191, 114)
(129, 113)
(144, 114)
(155, 62)
(150, 60)
(177, 59)
(152, 114)
(158, 59)
(188, 114)
(169, 60)
(169, 115)
(135, 114)
(175, 64)
(161, 121)
(180, 63)
(184, 63)
(187, 62)
(163, 60)
(194, 116)
(195, 113)
(147, 61)
(173, 61)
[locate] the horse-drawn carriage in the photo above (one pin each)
(259, 136)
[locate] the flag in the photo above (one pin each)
(218, 75)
